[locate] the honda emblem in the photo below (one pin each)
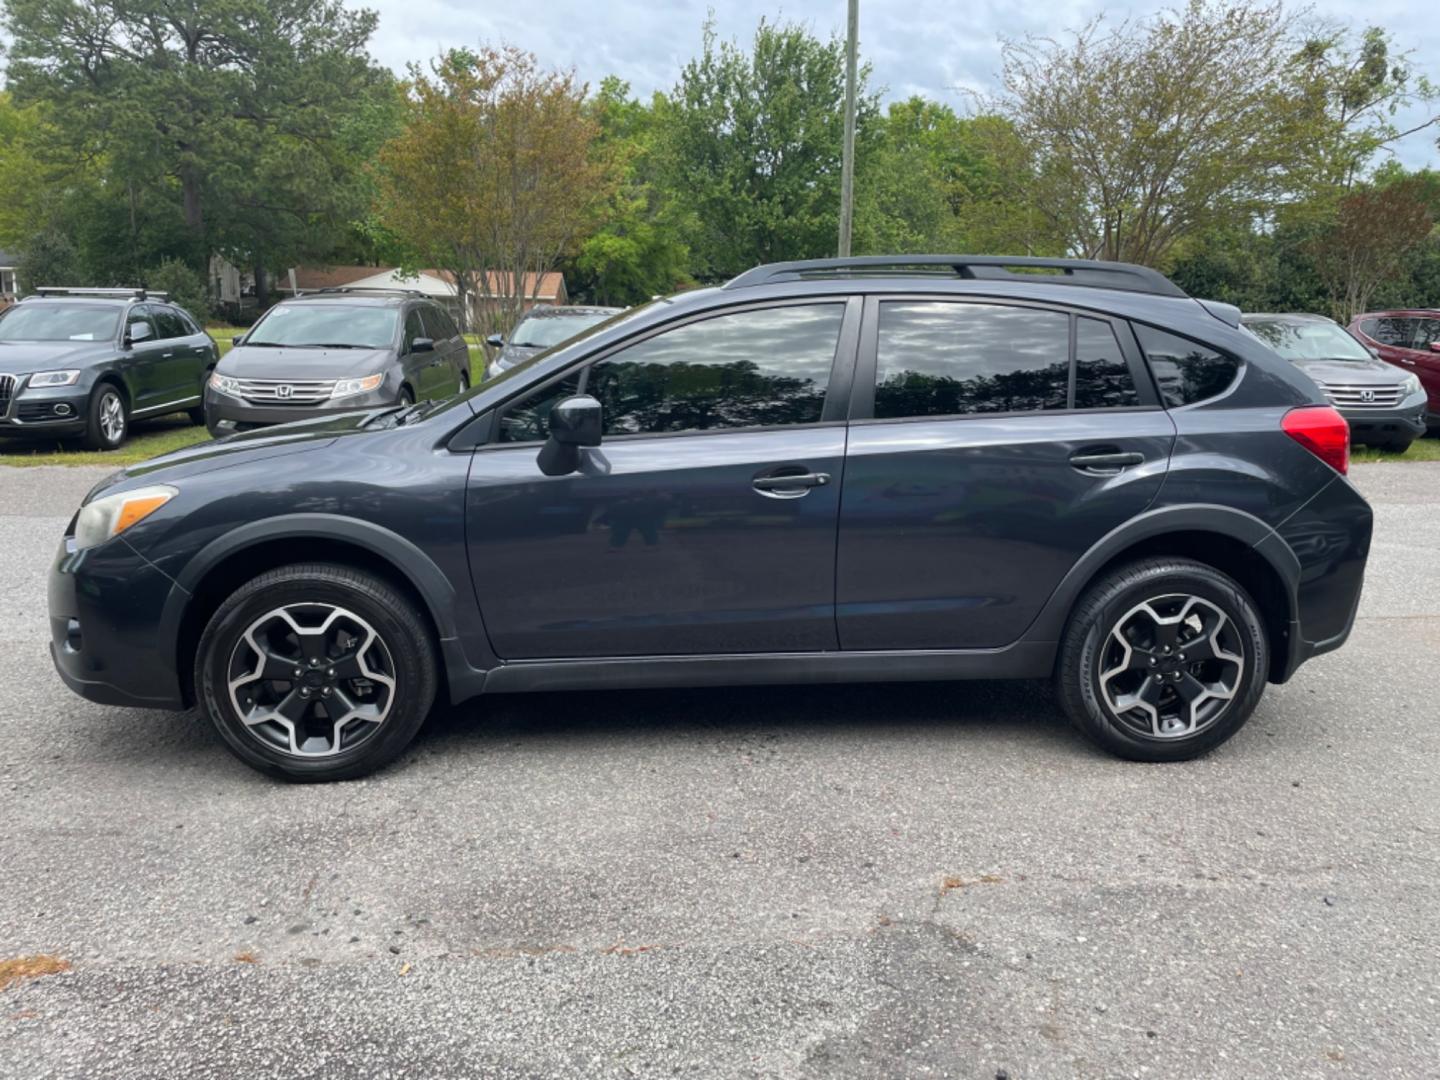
(1365, 395)
(284, 390)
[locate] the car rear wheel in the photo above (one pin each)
(107, 420)
(1163, 660)
(316, 672)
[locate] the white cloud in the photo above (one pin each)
(938, 48)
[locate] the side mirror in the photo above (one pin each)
(138, 332)
(237, 341)
(495, 341)
(422, 344)
(574, 422)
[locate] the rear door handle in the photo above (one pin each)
(791, 485)
(1108, 463)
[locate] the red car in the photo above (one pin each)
(1409, 339)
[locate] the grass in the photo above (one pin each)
(1420, 450)
(148, 438)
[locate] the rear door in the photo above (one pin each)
(1425, 361)
(420, 367)
(705, 520)
(450, 351)
(990, 446)
(181, 361)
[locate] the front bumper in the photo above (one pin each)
(225, 415)
(1405, 421)
(106, 605)
(49, 410)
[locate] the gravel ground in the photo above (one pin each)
(933, 880)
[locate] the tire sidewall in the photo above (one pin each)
(385, 611)
(95, 434)
(1150, 583)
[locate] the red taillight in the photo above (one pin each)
(1322, 431)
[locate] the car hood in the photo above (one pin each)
(266, 362)
(244, 448)
(19, 357)
(1351, 372)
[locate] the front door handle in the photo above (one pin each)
(789, 485)
(1107, 464)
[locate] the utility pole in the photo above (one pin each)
(847, 159)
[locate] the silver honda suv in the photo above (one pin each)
(337, 350)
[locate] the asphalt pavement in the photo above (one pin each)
(932, 880)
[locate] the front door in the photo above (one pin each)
(144, 359)
(991, 445)
(705, 521)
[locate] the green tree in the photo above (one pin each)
(48, 258)
(232, 112)
(496, 175)
(751, 141)
(1366, 245)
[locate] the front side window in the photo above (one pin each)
(1186, 371)
(941, 358)
(437, 324)
(140, 316)
(311, 325)
(46, 320)
(1395, 331)
(760, 368)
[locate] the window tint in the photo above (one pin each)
(414, 328)
(435, 324)
(139, 316)
(945, 359)
(529, 419)
(1427, 332)
(184, 316)
(1186, 371)
(1398, 332)
(168, 324)
(51, 320)
(1102, 377)
(750, 369)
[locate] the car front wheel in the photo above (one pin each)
(107, 420)
(1163, 660)
(316, 672)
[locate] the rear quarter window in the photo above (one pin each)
(1186, 371)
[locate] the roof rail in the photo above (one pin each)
(85, 290)
(1091, 273)
(381, 290)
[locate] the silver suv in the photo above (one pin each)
(337, 350)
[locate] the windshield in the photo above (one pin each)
(1309, 340)
(45, 320)
(312, 325)
(542, 331)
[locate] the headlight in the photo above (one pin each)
(54, 378)
(347, 387)
(1410, 385)
(113, 514)
(225, 384)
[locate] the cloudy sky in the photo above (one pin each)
(938, 48)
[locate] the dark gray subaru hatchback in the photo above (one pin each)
(840, 470)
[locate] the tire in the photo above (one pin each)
(407, 396)
(1398, 446)
(1097, 671)
(197, 414)
(107, 418)
(378, 636)
(464, 382)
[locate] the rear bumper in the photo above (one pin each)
(1329, 537)
(106, 642)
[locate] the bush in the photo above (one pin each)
(184, 286)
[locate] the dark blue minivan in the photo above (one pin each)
(938, 467)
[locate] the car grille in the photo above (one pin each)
(1363, 397)
(286, 391)
(7, 391)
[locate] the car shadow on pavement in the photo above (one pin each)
(983, 710)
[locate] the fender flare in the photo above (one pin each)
(435, 589)
(1049, 625)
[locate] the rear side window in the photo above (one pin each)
(759, 368)
(946, 359)
(168, 324)
(1186, 371)
(437, 325)
(1102, 377)
(1427, 332)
